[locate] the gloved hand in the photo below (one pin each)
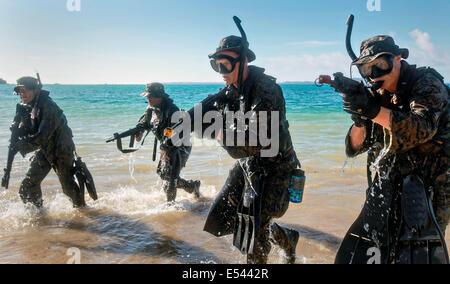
(362, 104)
(167, 146)
(358, 120)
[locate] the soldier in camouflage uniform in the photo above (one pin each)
(261, 94)
(44, 128)
(157, 118)
(405, 128)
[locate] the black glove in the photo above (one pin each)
(167, 146)
(358, 120)
(362, 104)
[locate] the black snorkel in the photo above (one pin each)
(243, 56)
(351, 53)
(348, 39)
(348, 43)
(39, 80)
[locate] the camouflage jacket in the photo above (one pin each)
(157, 119)
(419, 139)
(45, 127)
(261, 93)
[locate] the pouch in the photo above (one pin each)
(297, 186)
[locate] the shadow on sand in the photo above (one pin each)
(329, 241)
(130, 237)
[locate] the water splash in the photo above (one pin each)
(383, 174)
(375, 167)
(345, 165)
(14, 215)
(127, 200)
(131, 164)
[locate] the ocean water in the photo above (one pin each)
(131, 223)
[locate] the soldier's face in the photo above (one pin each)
(390, 80)
(154, 101)
(26, 96)
(231, 78)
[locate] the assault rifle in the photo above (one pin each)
(12, 149)
(132, 133)
(342, 84)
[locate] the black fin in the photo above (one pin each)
(421, 240)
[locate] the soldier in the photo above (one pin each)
(157, 118)
(44, 128)
(257, 188)
(403, 124)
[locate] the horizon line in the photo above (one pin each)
(166, 83)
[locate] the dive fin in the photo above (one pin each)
(90, 185)
(85, 178)
(421, 240)
(249, 209)
(221, 218)
(81, 182)
(238, 232)
(358, 248)
(247, 223)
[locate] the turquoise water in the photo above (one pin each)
(94, 112)
(131, 222)
(122, 100)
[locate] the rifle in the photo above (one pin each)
(132, 133)
(342, 84)
(12, 149)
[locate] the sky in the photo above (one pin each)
(140, 41)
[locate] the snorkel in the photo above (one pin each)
(348, 39)
(374, 86)
(243, 57)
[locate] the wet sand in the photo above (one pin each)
(131, 223)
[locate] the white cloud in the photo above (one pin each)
(426, 53)
(306, 67)
(423, 40)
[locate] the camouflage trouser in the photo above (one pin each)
(30, 190)
(170, 174)
(275, 202)
(442, 199)
(170, 187)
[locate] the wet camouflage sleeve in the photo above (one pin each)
(373, 134)
(428, 102)
(52, 118)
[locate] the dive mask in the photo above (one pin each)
(381, 67)
(227, 65)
